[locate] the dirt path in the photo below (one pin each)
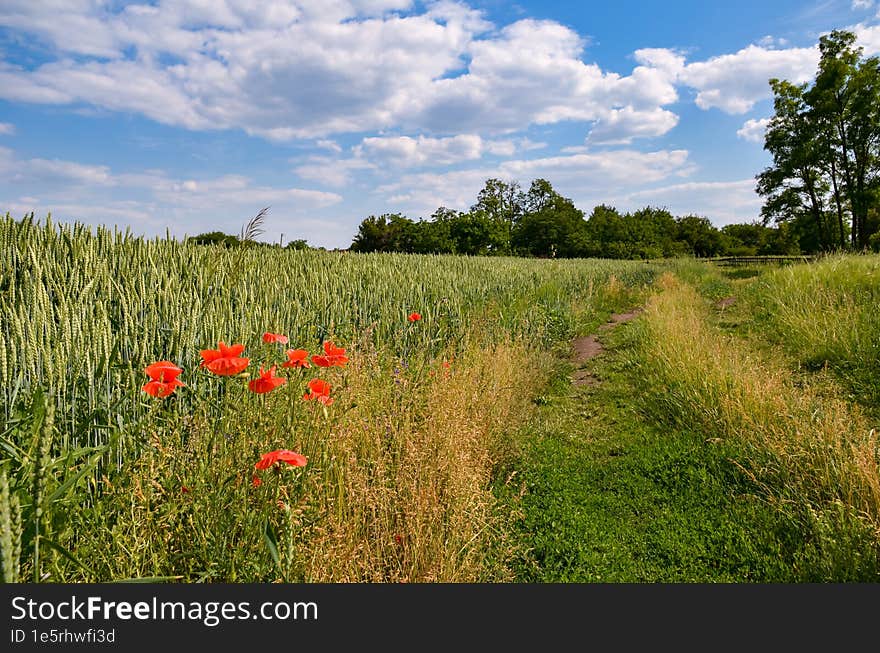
(609, 492)
(588, 347)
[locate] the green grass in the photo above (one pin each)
(607, 493)
(699, 458)
(99, 481)
(825, 315)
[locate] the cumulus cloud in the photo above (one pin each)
(753, 130)
(868, 37)
(405, 151)
(735, 82)
(331, 172)
(327, 144)
(21, 171)
(7, 128)
(723, 202)
(573, 176)
(306, 69)
(621, 126)
(149, 201)
(859, 5)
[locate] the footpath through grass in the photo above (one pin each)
(608, 496)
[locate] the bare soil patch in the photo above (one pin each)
(620, 318)
(586, 348)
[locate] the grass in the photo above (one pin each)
(730, 445)
(396, 488)
(607, 494)
(811, 452)
(102, 482)
(825, 316)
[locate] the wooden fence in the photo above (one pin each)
(760, 260)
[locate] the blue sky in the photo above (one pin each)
(192, 115)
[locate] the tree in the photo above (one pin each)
(606, 232)
(389, 232)
(476, 234)
(540, 196)
(825, 143)
(845, 97)
(214, 238)
(794, 185)
(298, 244)
(701, 237)
(550, 226)
(500, 203)
(500, 200)
(434, 236)
(652, 232)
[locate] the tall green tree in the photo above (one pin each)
(551, 225)
(825, 143)
(389, 232)
(794, 185)
(845, 98)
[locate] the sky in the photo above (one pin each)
(189, 116)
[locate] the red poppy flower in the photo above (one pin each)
(163, 379)
(281, 456)
(160, 389)
(255, 481)
(319, 390)
(162, 371)
(333, 356)
(414, 317)
(297, 358)
(225, 360)
(267, 381)
(274, 337)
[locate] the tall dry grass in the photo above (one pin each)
(804, 445)
(397, 488)
(826, 314)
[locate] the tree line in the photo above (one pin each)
(821, 193)
(824, 138)
(509, 221)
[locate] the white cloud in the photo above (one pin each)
(531, 73)
(150, 201)
(868, 37)
(859, 5)
(771, 42)
(670, 62)
(753, 130)
(331, 172)
(573, 176)
(723, 202)
(404, 151)
(735, 82)
(7, 128)
(621, 126)
(527, 145)
(308, 69)
(21, 171)
(235, 190)
(327, 144)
